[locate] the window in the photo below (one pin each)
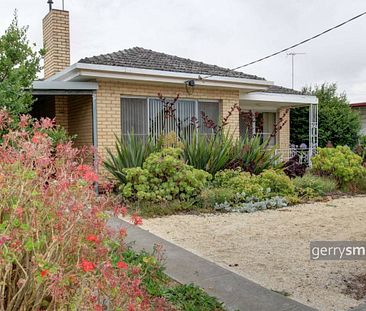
(211, 110)
(134, 116)
(145, 116)
(258, 123)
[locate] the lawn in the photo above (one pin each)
(272, 247)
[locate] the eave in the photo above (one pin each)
(91, 72)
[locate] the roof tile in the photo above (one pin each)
(147, 59)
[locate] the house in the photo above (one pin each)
(112, 94)
(361, 109)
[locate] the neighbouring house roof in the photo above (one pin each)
(138, 57)
(282, 90)
(357, 105)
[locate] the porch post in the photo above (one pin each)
(313, 130)
(95, 134)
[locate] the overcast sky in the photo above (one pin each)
(225, 33)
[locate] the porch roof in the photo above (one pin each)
(63, 88)
(271, 101)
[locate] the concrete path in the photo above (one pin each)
(359, 308)
(237, 292)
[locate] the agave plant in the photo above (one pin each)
(253, 155)
(130, 151)
(209, 152)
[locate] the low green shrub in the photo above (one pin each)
(268, 183)
(340, 162)
(277, 181)
(238, 191)
(310, 186)
(253, 155)
(211, 196)
(357, 186)
(191, 298)
(157, 284)
(155, 280)
(252, 205)
(210, 153)
(223, 178)
(360, 148)
(165, 208)
(249, 185)
(58, 135)
(163, 177)
(130, 151)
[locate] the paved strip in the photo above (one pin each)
(235, 291)
(359, 308)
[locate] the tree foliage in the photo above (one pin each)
(19, 65)
(338, 124)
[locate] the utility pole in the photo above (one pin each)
(293, 54)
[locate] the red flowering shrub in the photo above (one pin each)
(55, 250)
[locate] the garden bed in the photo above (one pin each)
(272, 247)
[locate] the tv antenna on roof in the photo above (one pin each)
(50, 2)
(293, 54)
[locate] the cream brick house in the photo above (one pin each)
(115, 93)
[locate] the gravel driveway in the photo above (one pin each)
(272, 247)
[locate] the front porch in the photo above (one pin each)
(73, 105)
(268, 110)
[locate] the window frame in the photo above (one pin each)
(149, 98)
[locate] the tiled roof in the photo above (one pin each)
(147, 59)
(356, 105)
(282, 90)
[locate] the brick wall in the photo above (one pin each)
(283, 137)
(62, 111)
(56, 41)
(80, 120)
(109, 103)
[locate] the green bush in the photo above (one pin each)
(58, 135)
(164, 176)
(360, 148)
(248, 184)
(130, 151)
(268, 184)
(191, 298)
(340, 162)
(237, 191)
(338, 122)
(243, 205)
(209, 153)
(310, 186)
(165, 208)
(211, 196)
(223, 178)
(277, 181)
(155, 280)
(253, 155)
(183, 297)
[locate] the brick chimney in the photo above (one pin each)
(56, 41)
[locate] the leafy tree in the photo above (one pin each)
(19, 65)
(338, 123)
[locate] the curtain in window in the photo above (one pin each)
(211, 111)
(180, 121)
(134, 116)
(269, 119)
(145, 117)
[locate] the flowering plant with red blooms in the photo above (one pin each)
(55, 250)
